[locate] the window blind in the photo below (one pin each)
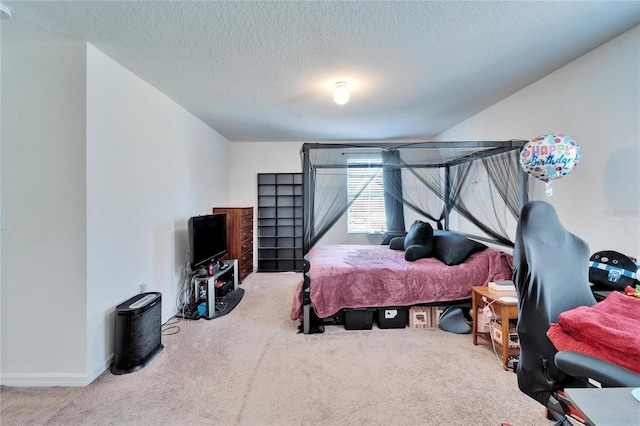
(366, 191)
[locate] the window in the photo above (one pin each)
(365, 187)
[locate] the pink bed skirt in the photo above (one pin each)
(357, 276)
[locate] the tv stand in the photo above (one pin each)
(218, 294)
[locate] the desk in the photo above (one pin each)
(482, 296)
(606, 406)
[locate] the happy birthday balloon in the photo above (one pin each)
(549, 157)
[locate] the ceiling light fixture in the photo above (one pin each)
(341, 93)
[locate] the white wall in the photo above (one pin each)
(100, 173)
(247, 159)
(43, 197)
(145, 178)
(596, 101)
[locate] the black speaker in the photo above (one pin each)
(137, 332)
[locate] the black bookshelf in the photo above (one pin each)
(279, 222)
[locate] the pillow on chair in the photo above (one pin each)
(452, 248)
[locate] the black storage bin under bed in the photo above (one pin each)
(358, 318)
(392, 317)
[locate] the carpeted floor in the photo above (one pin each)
(252, 368)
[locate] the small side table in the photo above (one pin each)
(483, 296)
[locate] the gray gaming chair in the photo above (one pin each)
(551, 276)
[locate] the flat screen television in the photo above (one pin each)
(207, 239)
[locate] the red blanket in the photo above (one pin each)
(608, 330)
(359, 276)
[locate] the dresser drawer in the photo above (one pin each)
(246, 221)
(246, 233)
(245, 268)
(246, 258)
(247, 212)
(246, 245)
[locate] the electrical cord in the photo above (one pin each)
(492, 323)
(221, 306)
(171, 331)
(185, 300)
(183, 286)
(170, 328)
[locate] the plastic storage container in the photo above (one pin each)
(358, 318)
(392, 317)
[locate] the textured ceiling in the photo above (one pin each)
(263, 71)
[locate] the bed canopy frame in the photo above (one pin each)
(478, 180)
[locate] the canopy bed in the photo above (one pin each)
(475, 183)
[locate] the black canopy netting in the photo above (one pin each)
(479, 182)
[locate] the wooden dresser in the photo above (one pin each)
(239, 237)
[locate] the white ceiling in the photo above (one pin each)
(263, 70)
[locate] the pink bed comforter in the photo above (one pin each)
(356, 276)
(608, 330)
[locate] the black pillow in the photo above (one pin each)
(396, 243)
(419, 233)
(453, 248)
(390, 235)
(418, 251)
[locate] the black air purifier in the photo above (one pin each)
(137, 332)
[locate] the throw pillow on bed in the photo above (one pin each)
(397, 243)
(452, 248)
(419, 233)
(419, 251)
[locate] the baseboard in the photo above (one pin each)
(54, 379)
(44, 380)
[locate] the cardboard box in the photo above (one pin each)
(424, 316)
(514, 342)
